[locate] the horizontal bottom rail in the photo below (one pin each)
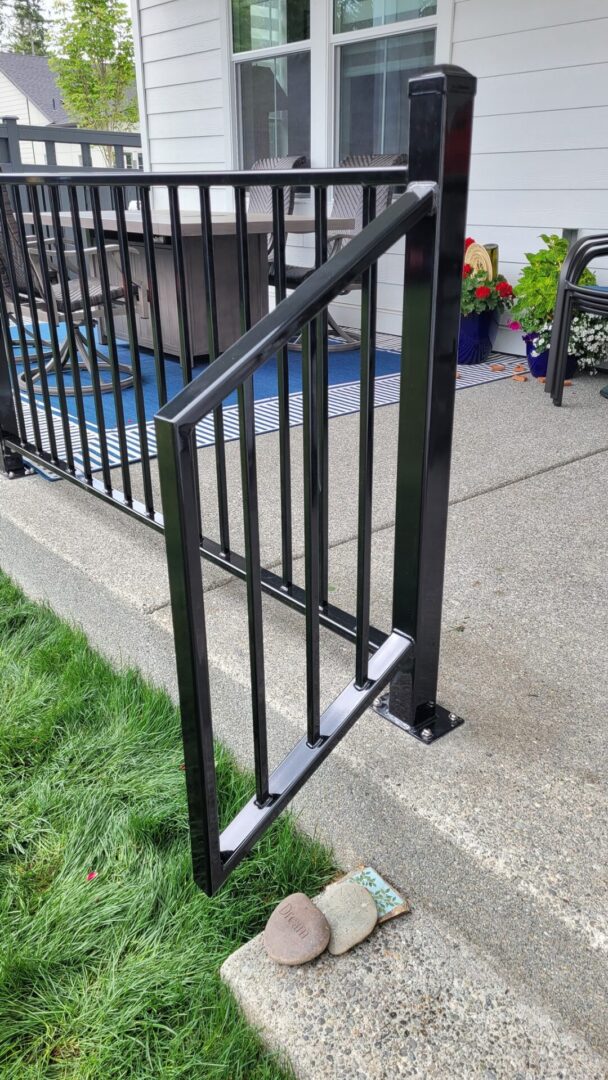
(287, 779)
(332, 618)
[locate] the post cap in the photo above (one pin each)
(443, 79)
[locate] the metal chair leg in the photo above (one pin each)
(85, 364)
(558, 350)
(350, 339)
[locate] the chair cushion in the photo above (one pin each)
(95, 293)
(295, 275)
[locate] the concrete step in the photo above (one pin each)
(414, 1000)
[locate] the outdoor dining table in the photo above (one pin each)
(259, 226)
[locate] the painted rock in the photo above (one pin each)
(351, 913)
(296, 931)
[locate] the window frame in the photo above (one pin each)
(269, 52)
(323, 45)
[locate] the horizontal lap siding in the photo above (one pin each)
(540, 141)
(184, 92)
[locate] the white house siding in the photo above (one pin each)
(14, 103)
(183, 84)
(540, 144)
(540, 138)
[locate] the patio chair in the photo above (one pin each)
(260, 198)
(347, 203)
(57, 310)
(572, 298)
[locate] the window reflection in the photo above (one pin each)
(374, 106)
(275, 107)
(260, 24)
(361, 14)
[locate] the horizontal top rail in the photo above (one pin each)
(240, 360)
(51, 133)
(369, 177)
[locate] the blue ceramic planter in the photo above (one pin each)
(538, 364)
(476, 337)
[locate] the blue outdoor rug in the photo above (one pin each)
(343, 397)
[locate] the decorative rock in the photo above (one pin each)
(296, 932)
(351, 913)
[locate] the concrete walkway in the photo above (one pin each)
(498, 834)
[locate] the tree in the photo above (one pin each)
(92, 56)
(28, 28)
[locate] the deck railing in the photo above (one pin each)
(33, 148)
(431, 215)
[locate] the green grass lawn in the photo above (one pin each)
(116, 976)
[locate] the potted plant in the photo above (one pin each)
(483, 297)
(534, 306)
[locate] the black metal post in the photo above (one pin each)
(441, 117)
(10, 462)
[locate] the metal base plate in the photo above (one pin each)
(442, 722)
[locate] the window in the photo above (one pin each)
(274, 96)
(273, 85)
(361, 14)
(373, 90)
(345, 62)
(267, 23)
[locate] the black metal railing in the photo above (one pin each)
(431, 214)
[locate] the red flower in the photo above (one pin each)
(92, 875)
(466, 270)
(504, 289)
(482, 292)
(469, 240)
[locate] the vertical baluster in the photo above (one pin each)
(185, 349)
(366, 450)
(251, 520)
(11, 391)
(157, 333)
(123, 243)
(312, 520)
(11, 269)
(323, 399)
(52, 330)
(113, 359)
(278, 247)
(34, 295)
(93, 357)
(72, 351)
(214, 351)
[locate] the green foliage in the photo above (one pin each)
(27, 28)
(117, 976)
(537, 286)
(93, 60)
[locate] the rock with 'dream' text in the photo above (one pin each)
(296, 932)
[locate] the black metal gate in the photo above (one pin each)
(36, 423)
(431, 214)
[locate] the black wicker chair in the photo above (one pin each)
(572, 298)
(347, 203)
(15, 286)
(260, 198)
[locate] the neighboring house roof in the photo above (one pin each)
(33, 76)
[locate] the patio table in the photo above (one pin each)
(226, 270)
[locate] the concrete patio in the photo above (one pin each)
(497, 833)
